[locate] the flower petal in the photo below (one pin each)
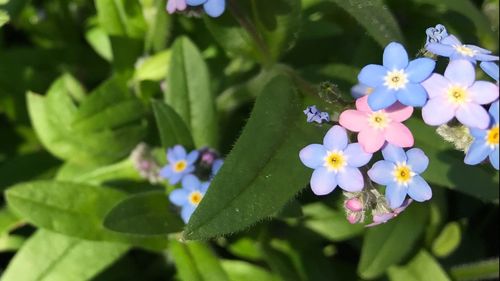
(179, 197)
(171, 6)
(371, 140)
(362, 105)
(175, 178)
(195, 2)
(215, 8)
(494, 111)
(491, 69)
(395, 56)
(360, 90)
(372, 75)
(419, 190)
(350, 179)
(483, 92)
(437, 112)
(381, 172)
(451, 40)
(485, 57)
(353, 120)
(440, 49)
(179, 152)
(399, 135)
(356, 155)
(381, 98)
(477, 152)
(187, 212)
(461, 72)
(166, 172)
(395, 195)
(494, 158)
(336, 138)
(192, 157)
(191, 183)
(436, 85)
(398, 112)
(417, 160)
(420, 69)
(412, 95)
(473, 115)
(204, 187)
(478, 133)
(323, 181)
(312, 155)
(394, 154)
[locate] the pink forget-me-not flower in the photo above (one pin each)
(176, 5)
(457, 94)
(400, 172)
(375, 128)
(485, 141)
(179, 165)
(335, 163)
(452, 48)
(189, 196)
(213, 8)
(398, 79)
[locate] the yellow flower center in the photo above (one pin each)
(369, 90)
(492, 137)
(403, 174)
(195, 198)
(396, 79)
(458, 95)
(464, 50)
(335, 161)
(379, 120)
(180, 166)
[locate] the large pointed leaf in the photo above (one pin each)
(189, 92)
(263, 172)
(144, 214)
(51, 256)
(73, 209)
(388, 244)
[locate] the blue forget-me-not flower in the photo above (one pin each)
(452, 48)
(189, 196)
(213, 8)
(179, 165)
(314, 115)
(436, 34)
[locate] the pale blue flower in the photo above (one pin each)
(452, 48)
(436, 34)
(179, 164)
(189, 196)
(213, 8)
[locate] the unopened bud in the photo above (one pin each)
(354, 218)
(354, 205)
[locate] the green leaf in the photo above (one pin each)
(375, 17)
(447, 168)
(448, 240)
(147, 214)
(330, 223)
(122, 18)
(243, 271)
(51, 256)
(9, 242)
(389, 243)
(99, 40)
(159, 25)
(423, 267)
(190, 95)
(258, 30)
(195, 261)
(263, 171)
(4, 17)
(172, 128)
(153, 68)
(8, 221)
(73, 209)
(482, 270)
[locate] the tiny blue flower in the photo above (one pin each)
(485, 141)
(452, 48)
(397, 79)
(436, 34)
(400, 172)
(335, 162)
(189, 196)
(213, 8)
(490, 68)
(179, 164)
(314, 115)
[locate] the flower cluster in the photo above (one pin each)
(385, 98)
(314, 115)
(213, 8)
(145, 164)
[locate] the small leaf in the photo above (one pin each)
(195, 261)
(8, 221)
(172, 128)
(388, 244)
(189, 95)
(98, 38)
(375, 17)
(330, 223)
(153, 68)
(9, 242)
(243, 271)
(423, 267)
(147, 214)
(51, 256)
(481, 270)
(159, 25)
(122, 18)
(55, 206)
(263, 172)
(448, 240)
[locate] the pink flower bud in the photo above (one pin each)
(354, 205)
(353, 218)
